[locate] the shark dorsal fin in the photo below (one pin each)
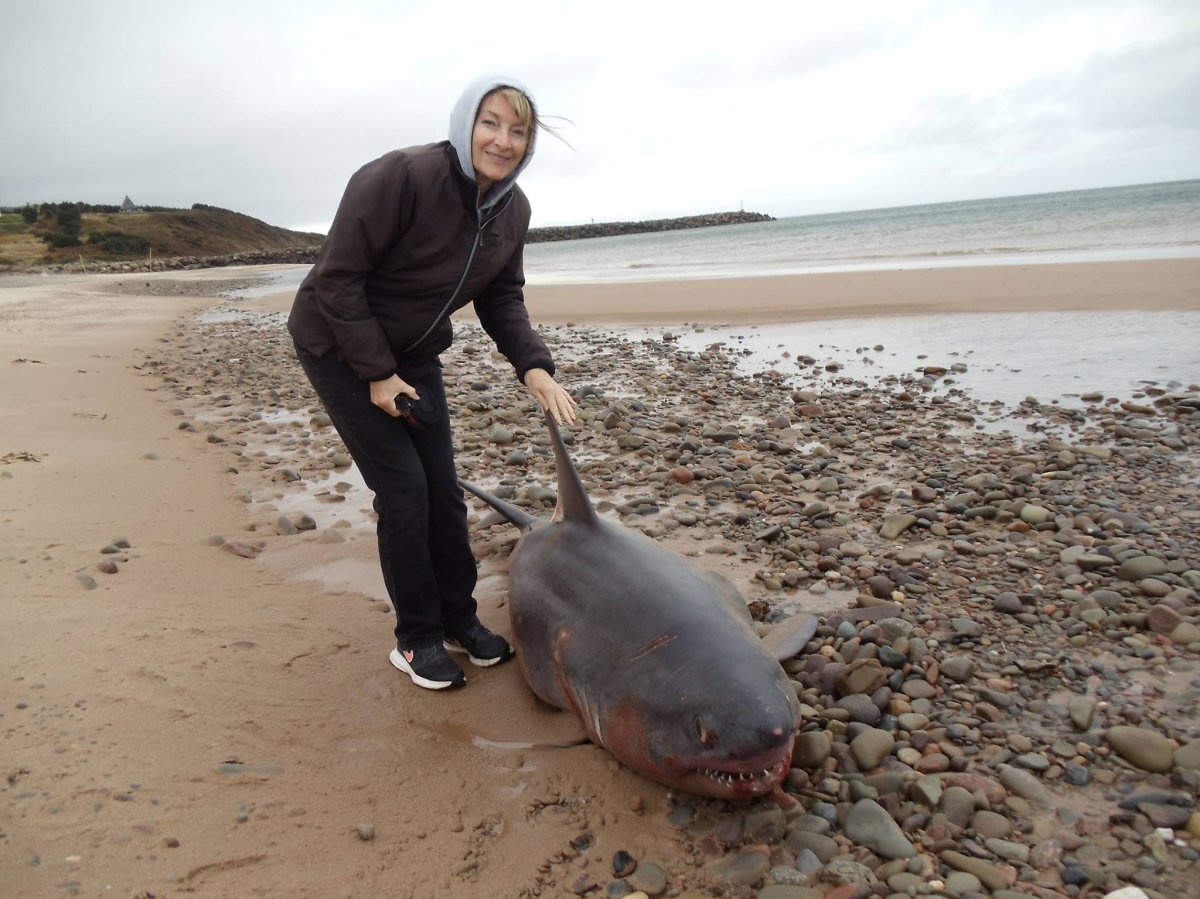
(573, 502)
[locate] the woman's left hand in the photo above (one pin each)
(551, 395)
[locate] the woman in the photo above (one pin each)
(419, 233)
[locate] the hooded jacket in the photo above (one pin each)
(410, 244)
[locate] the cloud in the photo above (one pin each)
(785, 107)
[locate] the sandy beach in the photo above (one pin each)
(196, 698)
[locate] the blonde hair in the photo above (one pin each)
(525, 112)
(520, 104)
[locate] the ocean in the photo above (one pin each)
(1145, 221)
(1054, 356)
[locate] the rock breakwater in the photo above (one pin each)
(608, 229)
(1003, 697)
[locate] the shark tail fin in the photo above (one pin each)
(520, 518)
(573, 502)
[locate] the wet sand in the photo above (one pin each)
(1167, 284)
(196, 700)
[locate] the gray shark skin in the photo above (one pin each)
(655, 658)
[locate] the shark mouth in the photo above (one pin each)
(744, 783)
(729, 778)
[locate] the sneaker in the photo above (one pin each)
(428, 666)
(482, 647)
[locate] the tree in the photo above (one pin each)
(70, 219)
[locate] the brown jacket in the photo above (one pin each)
(407, 248)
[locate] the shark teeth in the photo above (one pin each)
(730, 777)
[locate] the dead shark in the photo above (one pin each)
(657, 659)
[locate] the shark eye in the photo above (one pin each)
(701, 729)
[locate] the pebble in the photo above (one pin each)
(895, 525)
(1082, 710)
(1139, 567)
(745, 868)
(650, 878)
(1141, 747)
(992, 876)
(869, 824)
(623, 864)
(871, 747)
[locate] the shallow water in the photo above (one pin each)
(1053, 356)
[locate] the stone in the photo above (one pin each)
(1185, 634)
(811, 749)
(1081, 710)
(1162, 619)
(991, 876)
(745, 868)
(869, 824)
(895, 525)
(861, 676)
(1025, 785)
(958, 668)
(1035, 515)
(764, 825)
(822, 846)
(500, 435)
(1187, 756)
(650, 878)
(1143, 748)
(1141, 567)
(871, 747)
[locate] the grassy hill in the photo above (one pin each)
(107, 236)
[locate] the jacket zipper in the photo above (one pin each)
(475, 245)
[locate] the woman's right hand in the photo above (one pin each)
(384, 393)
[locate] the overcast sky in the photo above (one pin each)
(676, 108)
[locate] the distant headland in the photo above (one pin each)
(84, 237)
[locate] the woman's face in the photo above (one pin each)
(498, 141)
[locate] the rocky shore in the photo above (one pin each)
(1002, 698)
(287, 256)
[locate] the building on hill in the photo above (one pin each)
(128, 206)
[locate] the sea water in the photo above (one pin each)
(1052, 355)
(1006, 357)
(1148, 221)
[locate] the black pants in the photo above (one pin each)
(424, 549)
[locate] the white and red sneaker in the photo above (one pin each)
(428, 666)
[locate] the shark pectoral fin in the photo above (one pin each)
(790, 636)
(729, 594)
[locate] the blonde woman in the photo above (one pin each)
(419, 233)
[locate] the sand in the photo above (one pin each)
(1169, 284)
(205, 723)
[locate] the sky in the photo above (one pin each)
(666, 108)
